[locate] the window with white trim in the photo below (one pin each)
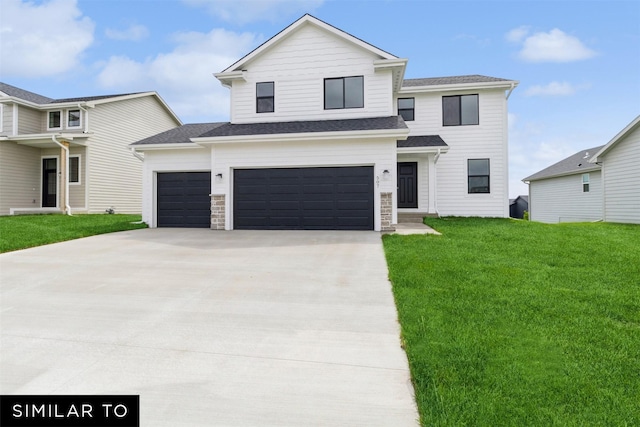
(54, 120)
(74, 169)
(73, 119)
(585, 182)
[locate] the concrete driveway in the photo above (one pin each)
(210, 328)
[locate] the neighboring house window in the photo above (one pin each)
(585, 182)
(460, 110)
(74, 169)
(478, 175)
(406, 109)
(344, 92)
(265, 99)
(55, 120)
(73, 119)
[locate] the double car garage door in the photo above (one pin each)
(326, 198)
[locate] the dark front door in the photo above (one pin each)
(408, 185)
(49, 183)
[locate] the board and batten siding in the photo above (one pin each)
(114, 174)
(381, 154)
(561, 199)
(487, 140)
(30, 120)
(190, 160)
(298, 66)
(621, 171)
(20, 177)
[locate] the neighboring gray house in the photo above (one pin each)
(326, 133)
(567, 191)
(73, 155)
(620, 162)
(518, 206)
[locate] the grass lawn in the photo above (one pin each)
(26, 231)
(514, 323)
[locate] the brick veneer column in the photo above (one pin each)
(386, 207)
(217, 211)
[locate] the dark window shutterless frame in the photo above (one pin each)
(265, 97)
(478, 176)
(460, 110)
(344, 92)
(406, 109)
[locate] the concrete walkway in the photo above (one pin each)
(210, 328)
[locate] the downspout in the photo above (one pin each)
(435, 176)
(86, 118)
(513, 86)
(67, 207)
(136, 154)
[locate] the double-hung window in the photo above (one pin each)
(344, 92)
(265, 97)
(73, 119)
(74, 169)
(585, 182)
(406, 109)
(460, 110)
(54, 120)
(478, 175)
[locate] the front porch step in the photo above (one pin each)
(413, 217)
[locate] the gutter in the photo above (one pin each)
(513, 86)
(136, 154)
(67, 207)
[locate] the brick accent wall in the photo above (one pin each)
(386, 206)
(217, 211)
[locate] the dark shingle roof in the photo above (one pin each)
(375, 123)
(422, 141)
(180, 135)
(576, 163)
(433, 81)
(39, 99)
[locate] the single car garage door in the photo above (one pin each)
(327, 198)
(183, 199)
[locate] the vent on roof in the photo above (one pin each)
(586, 155)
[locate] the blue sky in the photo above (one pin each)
(578, 62)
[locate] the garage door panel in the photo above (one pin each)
(183, 199)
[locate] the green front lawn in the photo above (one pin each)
(26, 231)
(514, 323)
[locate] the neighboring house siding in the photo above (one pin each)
(77, 192)
(7, 119)
(298, 65)
(25, 181)
(486, 140)
(622, 180)
(29, 121)
(561, 199)
(114, 174)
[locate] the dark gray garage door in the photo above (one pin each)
(183, 199)
(331, 198)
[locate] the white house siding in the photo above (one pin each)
(298, 65)
(192, 160)
(19, 184)
(114, 174)
(423, 179)
(561, 199)
(380, 154)
(622, 180)
(29, 120)
(486, 140)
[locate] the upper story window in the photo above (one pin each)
(585, 182)
(73, 118)
(344, 92)
(265, 97)
(478, 175)
(406, 109)
(54, 120)
(460, 110)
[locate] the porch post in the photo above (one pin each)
(432, 184)
(64, 176)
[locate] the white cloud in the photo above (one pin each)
(554, 89)
(43, 39)
(184, 76)
(554, 46)
(245, 11)
(517, 34)
(133, 33)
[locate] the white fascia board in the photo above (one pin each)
(397, 67)
(154, 147)
(226, 78)
(306, 136)
(624, 132)
(594, 168)
(31, 136)
(418, 150)
(460, 86)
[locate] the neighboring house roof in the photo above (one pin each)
(422, 141)
(453, 80)
(525, 198)
(577, 163)
(635, 123)
(39, 99)
(181, 134)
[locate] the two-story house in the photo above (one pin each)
(73, 155)
(326, 133)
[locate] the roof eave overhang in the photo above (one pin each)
(174, 146)
(306, 136)
(43, 140)
(621, 135)
(227, 78)
(397, 66)
(460, 86)
(422, 150)
(594, 168)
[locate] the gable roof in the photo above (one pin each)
(35, 98)
(576, 163)
(304, 20)
(635, 123)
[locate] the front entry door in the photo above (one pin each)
(49, 183)
(408, 185)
